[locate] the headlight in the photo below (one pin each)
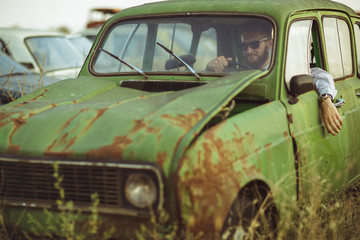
(140, 190)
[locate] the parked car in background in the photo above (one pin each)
(16, 80)
(83, 44)
(45, 52)
(151, 130)
(96, 19)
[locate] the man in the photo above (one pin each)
(256, 45)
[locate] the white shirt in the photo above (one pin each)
(323, 81)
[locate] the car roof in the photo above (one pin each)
(272, 8)
(24, 33)
(15, 38)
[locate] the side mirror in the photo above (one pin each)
(300, 84)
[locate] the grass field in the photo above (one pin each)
(338, 219)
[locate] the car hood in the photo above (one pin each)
(64, 73)
(92, 118)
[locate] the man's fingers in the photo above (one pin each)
(333, 126)
(330, 128)
(218, 64)
(223, 63)
(338, 123)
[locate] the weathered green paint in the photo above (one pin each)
(205, 161)
(164, 118)
(228, 157)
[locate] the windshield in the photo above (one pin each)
(9, 67)
(54, 53)
(83, 44)
(152, 45)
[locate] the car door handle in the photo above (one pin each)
(357, 92)
(339, 102)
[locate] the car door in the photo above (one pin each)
(321, 158)
(338, 36)
(354, 173)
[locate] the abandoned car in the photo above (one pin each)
(152, 125)
(44, 52)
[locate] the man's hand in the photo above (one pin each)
(331, 117)
(218, 64)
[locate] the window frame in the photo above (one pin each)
(357, 45)
(326, 58)
(108, 28)
(319, 45)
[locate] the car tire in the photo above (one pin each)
(253, 215)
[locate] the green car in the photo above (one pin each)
(150, 127)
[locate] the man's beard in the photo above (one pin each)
(258, 64)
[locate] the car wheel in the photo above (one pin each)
(253, 215)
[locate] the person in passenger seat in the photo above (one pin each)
(256, 46)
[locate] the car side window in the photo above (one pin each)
(298, 50)
(338, 47)
(357, 41)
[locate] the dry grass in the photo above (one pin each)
(337, 219)
(10, 90)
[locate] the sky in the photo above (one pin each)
(73, 14)
(50, 14)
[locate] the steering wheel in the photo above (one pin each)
(237, 66)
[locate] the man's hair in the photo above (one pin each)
(262, 26)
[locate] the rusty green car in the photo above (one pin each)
(149, 129)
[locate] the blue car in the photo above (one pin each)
(16, 80)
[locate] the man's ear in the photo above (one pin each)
(269, 43)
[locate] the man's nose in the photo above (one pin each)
(248, 49)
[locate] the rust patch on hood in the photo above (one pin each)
(150, 125)
(185, 121)
(99, 113)
(56, 143)
(69, 138)
(161, 158)
(113, 151)
(63, 141)
(18, 123)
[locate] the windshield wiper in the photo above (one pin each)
(179, 59)
(126, 63)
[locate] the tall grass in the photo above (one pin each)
(338, 218)
(322, 217)
(64, 224)
(61, 224)
(11, 90)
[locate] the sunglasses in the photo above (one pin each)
(253, 44)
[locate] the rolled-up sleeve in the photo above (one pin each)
(323, 81)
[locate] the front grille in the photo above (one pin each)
(32, 183)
